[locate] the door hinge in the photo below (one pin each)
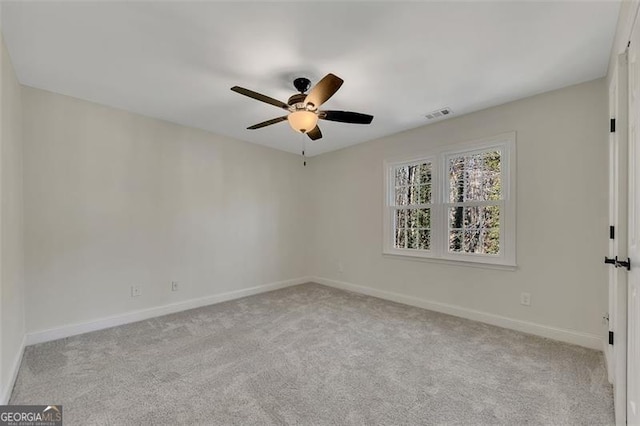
(612, 125)
(612, 232)
(611, 337)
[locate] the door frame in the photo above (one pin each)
(616, 354)
(633, 238)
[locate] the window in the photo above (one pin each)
(412, 192)
(455, 204)
(475, 201)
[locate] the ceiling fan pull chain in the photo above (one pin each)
(304, 158)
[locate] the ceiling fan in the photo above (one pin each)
(303, 109)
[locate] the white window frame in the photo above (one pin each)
(439, 250)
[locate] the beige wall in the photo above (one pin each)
(561, 213)
(12, 323)
(114, 199)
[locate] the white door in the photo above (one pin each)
(633, 276)
(618, 158)
(612, 207)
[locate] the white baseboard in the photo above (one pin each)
(129, 317)
(587, 340)
(7, 388)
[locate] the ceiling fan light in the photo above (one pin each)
(302, 121)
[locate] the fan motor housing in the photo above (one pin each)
(302, 84)
(298, 98)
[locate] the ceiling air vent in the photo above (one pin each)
(439, 113)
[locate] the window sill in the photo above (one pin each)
(452, 262)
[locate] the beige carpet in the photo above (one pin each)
(315, 355)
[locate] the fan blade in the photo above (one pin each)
(260, 97)
(322, 91)
(268, 123)
(315, 134)
(346, 117)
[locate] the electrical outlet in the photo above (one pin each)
(525, 299)
(174, 285)
(136, 291)
(340, 267)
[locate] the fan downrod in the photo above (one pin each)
(302, 84)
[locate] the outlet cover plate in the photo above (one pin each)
(136, 291)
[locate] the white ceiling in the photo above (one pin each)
(177, 60)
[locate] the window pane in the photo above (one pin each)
(456, 217)
(414, 192)
(492, 184)
(412, 184)
(472, 178)
(492, 161)
(491, 243)
(475, 177)
(400, 240)
(412, 218)
(414, 174)
(472, 217)
(491, 216)
(413, 228)
(423, 218)
(424, 239)
(412, 238)
(418, 218)
(424, 194)
(401, 218)
(425, 173)
(456, 179)
(401, 176)
(455, 241)
(474, 229)
(479, 241)
(412, 195)
(401, 196)
(471, 241)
